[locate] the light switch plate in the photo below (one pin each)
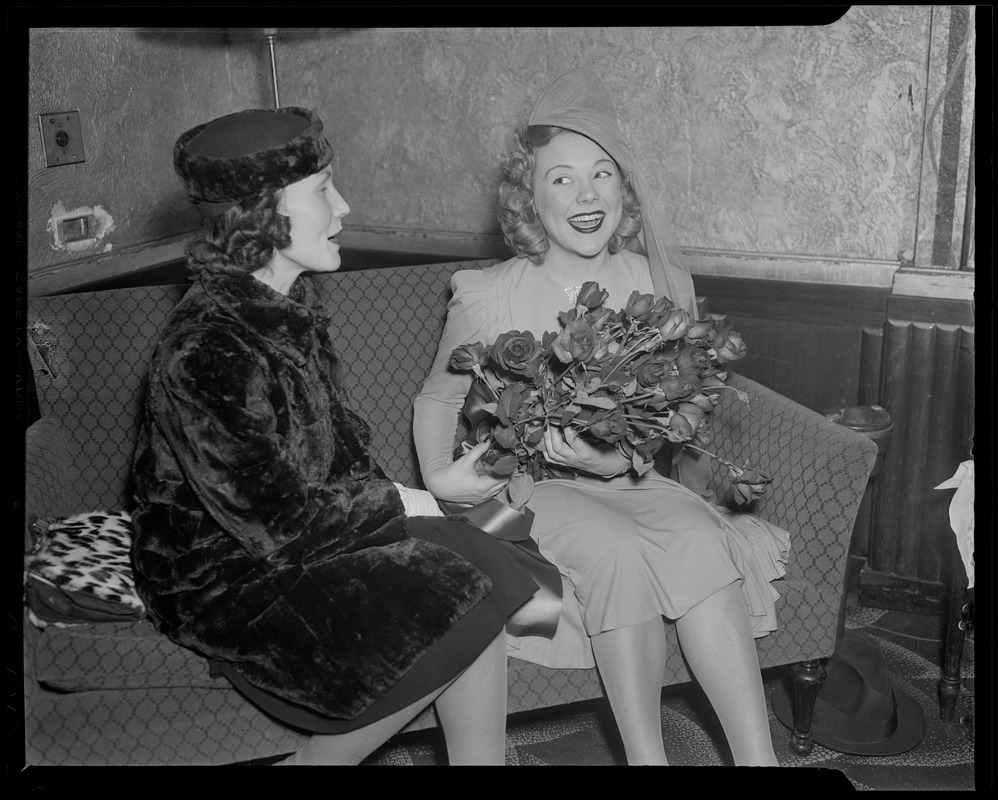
(62, 138)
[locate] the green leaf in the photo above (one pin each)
(505, 465)
(520, 489)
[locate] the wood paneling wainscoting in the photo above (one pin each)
(833, 345)
(805, 340)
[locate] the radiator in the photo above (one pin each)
(927, 386)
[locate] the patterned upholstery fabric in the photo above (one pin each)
(46, 486)
(149, 727)
(89, 353)
(122, 694)
(387, 348)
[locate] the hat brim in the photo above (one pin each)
(909, 733)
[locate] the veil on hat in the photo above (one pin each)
(578, 101)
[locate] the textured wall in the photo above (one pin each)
(779, 139)
(790, 140)
(136, 91)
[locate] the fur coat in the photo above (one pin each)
(265, 533)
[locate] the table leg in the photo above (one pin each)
(959, 615)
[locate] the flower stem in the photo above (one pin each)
(735, 471)
(620, 360)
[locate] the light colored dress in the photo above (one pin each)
(628, 548)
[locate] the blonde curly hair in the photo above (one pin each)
(521, 227)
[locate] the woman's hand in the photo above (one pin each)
(563, 447)
(459, 482)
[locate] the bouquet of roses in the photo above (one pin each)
(632, 379)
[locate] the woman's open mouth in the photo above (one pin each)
(587, 223)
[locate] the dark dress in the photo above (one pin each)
(267, 538)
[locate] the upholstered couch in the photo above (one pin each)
(120, 693)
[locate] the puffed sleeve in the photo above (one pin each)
(437, 407)
(212, 396)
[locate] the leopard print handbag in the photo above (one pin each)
(79, 571)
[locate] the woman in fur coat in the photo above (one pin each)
(266, 536)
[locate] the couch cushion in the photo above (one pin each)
(387, 348)
(115, 655)
(89, 355)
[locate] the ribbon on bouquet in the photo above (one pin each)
(539, 615)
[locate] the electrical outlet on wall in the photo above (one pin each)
(78, 229)
(62, 138)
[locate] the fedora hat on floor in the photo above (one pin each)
(858, 710)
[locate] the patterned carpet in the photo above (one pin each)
(584, 736)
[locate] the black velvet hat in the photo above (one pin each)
(235, 157)
(858, 710)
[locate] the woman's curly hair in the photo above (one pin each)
(243, 239)
(521, 227)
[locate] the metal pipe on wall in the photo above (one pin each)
(271, 35)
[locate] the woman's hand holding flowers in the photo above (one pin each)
(461, 482)
(566, 448)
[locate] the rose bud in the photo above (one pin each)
(609, 426)
(578, 340)
(562, 353)
(700, 329)
(742, 494)
(468, 356)
(681, 426)
(750, 485)
(600, 318)
(653, 370)
(658, 312)
(516, 352)
(676, 387)
(675, 325)
(706, 402)
(639, 305)
(693, 413)
(591, 296)
(732, 349)
(693, 359)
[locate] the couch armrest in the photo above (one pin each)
(820, 472)
(46, 473)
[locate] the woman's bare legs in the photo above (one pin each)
(717, 641)
(472, 711)
(349, 749)
(631, 662)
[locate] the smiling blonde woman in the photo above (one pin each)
(631, 550)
